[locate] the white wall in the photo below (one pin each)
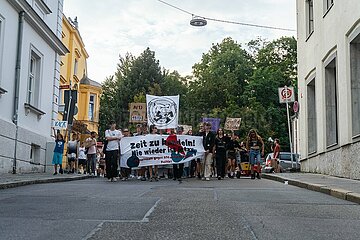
(329, 37)
(32, 130)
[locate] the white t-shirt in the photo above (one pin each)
(82, 154)
(113, 144)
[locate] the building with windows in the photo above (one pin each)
(30, 49)
(329, 86)
(74, 76)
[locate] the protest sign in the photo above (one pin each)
(232, 123)
(162, 111)
(215, 123)
(137, 112)
(153, 149)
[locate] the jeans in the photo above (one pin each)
(255, 156)
(208, 164)
(91, 163)
(220, 164)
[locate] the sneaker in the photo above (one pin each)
(110, 180)
(143, 179)
(219, 178)
(114, 179)
(55, 173)
(157, 179)
(151, 179)
(61, 171)
(207, 179)
(258, 176)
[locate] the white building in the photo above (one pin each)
(30, 45)
(329, 86)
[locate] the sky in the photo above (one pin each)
(111, 28)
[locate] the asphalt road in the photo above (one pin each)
(194, 209)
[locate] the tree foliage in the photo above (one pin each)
(229, 81)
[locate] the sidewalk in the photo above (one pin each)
(343, 188)
(9, 180)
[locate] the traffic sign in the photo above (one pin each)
(286, 94)
(296, 106)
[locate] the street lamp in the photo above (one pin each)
(198, 21)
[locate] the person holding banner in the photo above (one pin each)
(253, 144)
(209, 143)
(200, 161)
(113, 137)
(153, 130)
(178, 169)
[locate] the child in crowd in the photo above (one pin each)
(82, 159)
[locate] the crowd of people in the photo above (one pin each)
(223, 154)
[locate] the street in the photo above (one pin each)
(193, 209)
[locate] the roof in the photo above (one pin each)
(87, 81)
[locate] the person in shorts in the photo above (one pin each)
(58, 152)
(72, 153)
(82, 159)
(253, 144)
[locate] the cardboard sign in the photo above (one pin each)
(137, 112)
(60, 124)
(232, 123)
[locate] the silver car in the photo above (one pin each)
(284, 162)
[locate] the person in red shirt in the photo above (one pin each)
(276, 153)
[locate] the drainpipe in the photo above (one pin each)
(17, 83)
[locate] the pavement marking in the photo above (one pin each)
(215, 195)
(248, 227)
(93, 232)
(145, 218)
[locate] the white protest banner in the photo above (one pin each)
(232, 123)
(162, 111)
(60, 124)
(154, 149)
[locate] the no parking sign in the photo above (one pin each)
(286, 94)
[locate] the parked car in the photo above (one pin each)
(284, 162)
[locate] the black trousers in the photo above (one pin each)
(178, 170)
(220, 164)
(111, 159)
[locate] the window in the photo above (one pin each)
(327, 5)
(355, 84)
(311, 118)
(35, 153)
(34, 79)
(331, 104)
(309, 17)
(91, 107)
(76, 66)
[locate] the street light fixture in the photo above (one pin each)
(198, 21)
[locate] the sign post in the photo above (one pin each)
(286, 95)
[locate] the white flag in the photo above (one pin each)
(162, 111)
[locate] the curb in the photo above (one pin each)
(41, 181)
(335, 192)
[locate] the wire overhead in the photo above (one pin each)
(227, 21)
